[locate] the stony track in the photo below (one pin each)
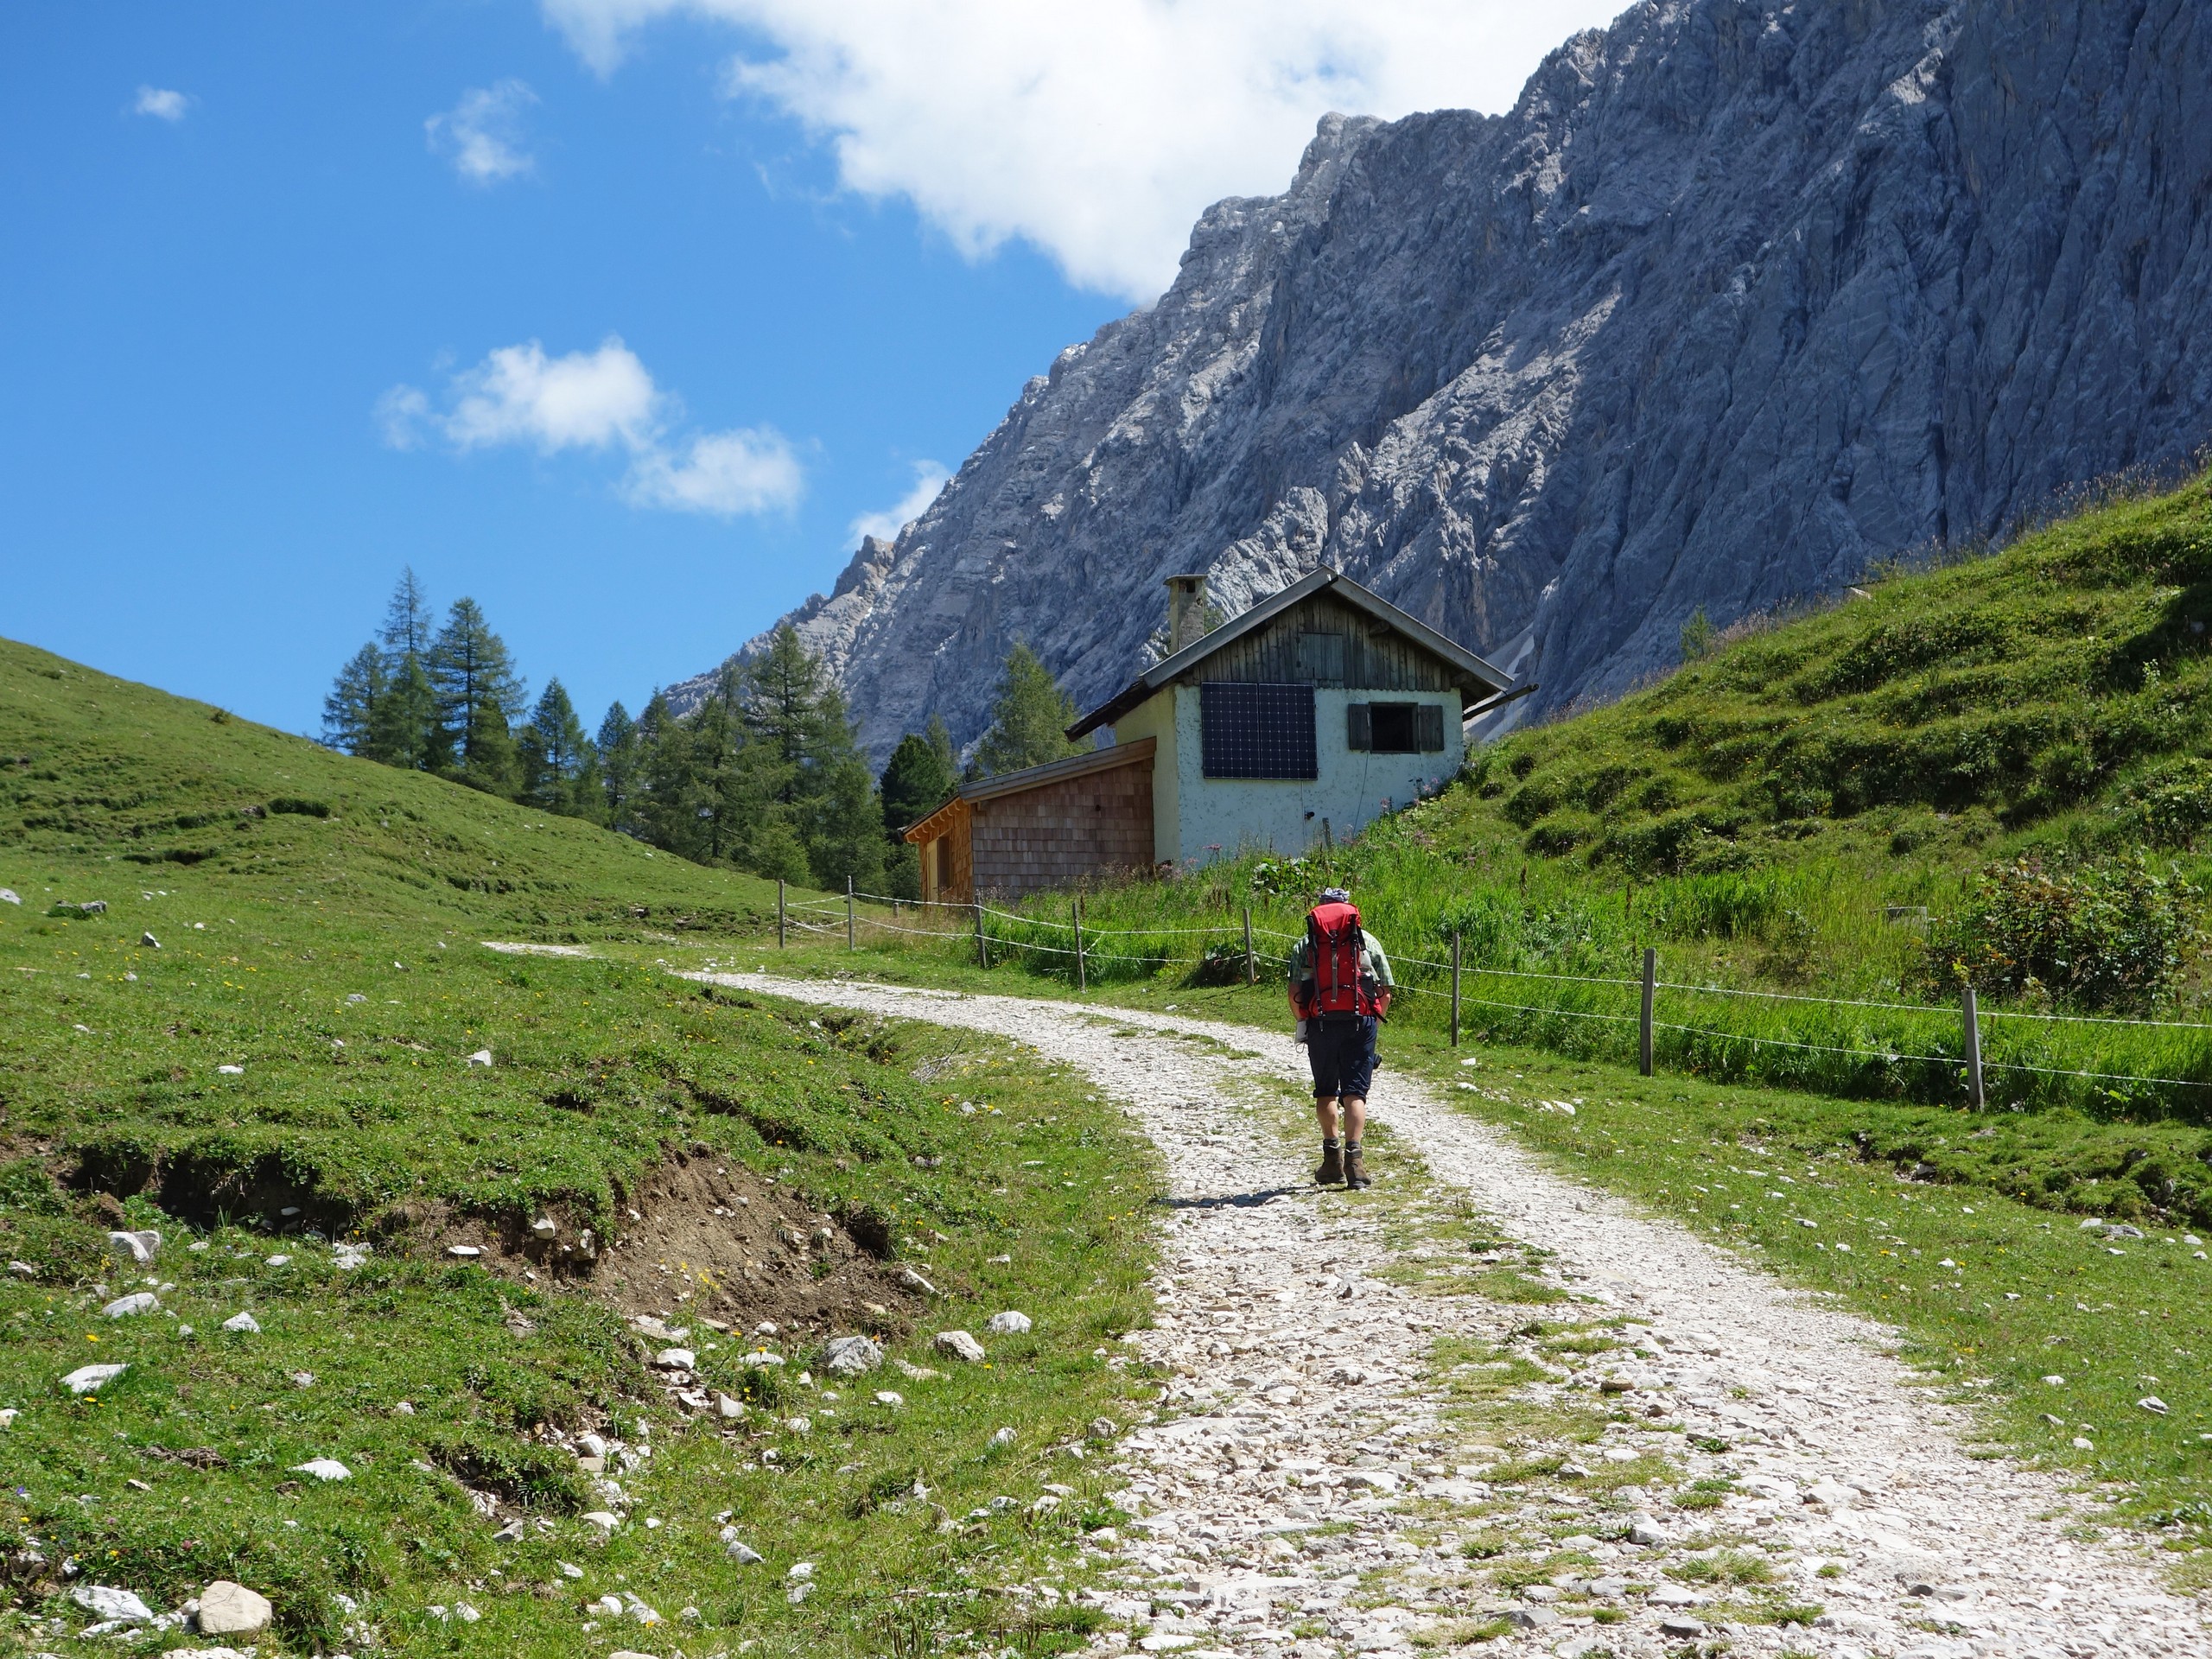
(1339, 1433)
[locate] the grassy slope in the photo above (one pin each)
(331, 953)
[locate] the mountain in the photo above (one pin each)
(1739, 298)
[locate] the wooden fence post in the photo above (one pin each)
(1082, 978)
(1975, 1100)
(983, 945)
(848, 914)
(1252, 961)
(1650, 979)
(1455, 987)
(783, 926)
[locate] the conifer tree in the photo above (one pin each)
(479, 695)
(560, 769)
(920, 777)
(843, 827)
(784, 705)
(404, 726)
(661, 809)
(349, 709)
(617, 744)
(407, 622)
(1029, 718)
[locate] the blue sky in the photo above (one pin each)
(618, 316)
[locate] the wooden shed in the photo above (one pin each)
(1047, 826)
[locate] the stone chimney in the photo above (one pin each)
(1186, 611)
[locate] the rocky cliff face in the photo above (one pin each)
(1739, 298)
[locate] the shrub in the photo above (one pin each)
(2170, 804)
(1697, 635)
(2108, 934)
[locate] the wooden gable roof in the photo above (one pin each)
(1452, 663)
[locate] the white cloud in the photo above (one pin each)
(603, 399)
(482, 134)
(161, 103)
(1097, 132)
(583, 400)
(929, 478)
(749, 470)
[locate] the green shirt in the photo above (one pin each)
(1372, 961)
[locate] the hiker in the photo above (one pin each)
(1341, 988)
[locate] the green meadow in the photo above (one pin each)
(243, 987)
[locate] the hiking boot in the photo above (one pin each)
(1333, 1165)
(1356, 1173)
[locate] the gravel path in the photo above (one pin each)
(1326, 1464)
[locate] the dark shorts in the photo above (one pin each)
(1343, 1057)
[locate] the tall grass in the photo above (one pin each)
(1760, 972)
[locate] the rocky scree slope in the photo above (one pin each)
(1736, 299)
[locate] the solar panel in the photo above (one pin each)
(1257, 731)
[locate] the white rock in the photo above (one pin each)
(960, 1346)
(602, 1520)
(467, 1252)
(727, 1408)
(569, 1569)
(228, 1609)
(800, 1570)
(278, 1261)
(123, 1307)
(676, 1359)
(914, 1281)
(1377, 1480)
(230, 1071)
(591, 1445)
(850, 1355)
(1832, 1493)
(1642, 1529)
(886, 1397)
(346, 1257)
(139, 1247)
(243, 1323)
(8, 1415)
(1009, 1323)
(544, 1229)
(108, 1603)
(2152, 1402)
(738, 1550)
(481, 1057)
(323, 1469)
(10, 896)
(1004, 1437)
(87, 1379)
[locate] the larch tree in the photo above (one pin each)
(559, 767)
(350, 709)
(617, 744)
(1029, 718)
(480, 696)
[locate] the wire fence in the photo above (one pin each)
(1829, 1044)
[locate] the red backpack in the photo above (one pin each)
(1334, 943)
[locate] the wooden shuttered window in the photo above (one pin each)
(1394, 728)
